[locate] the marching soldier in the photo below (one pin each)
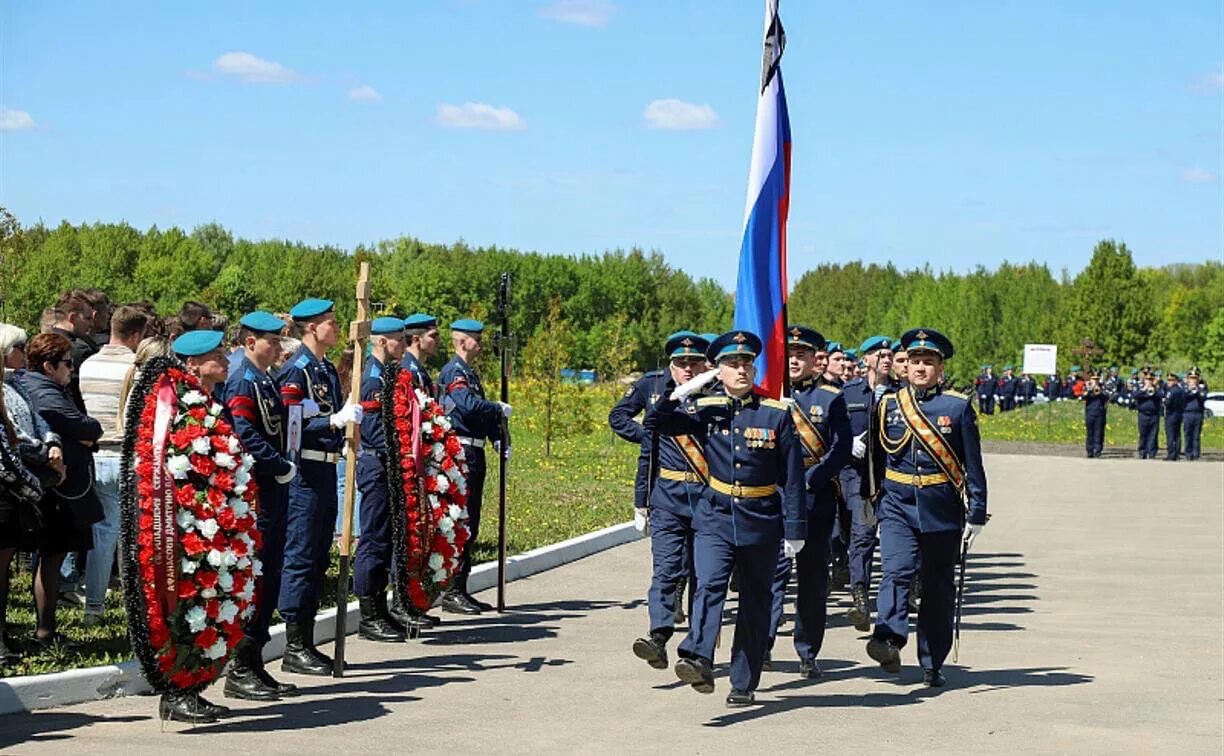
(834, 370)
(680, 474)
(259, 417)
(477, 421)
(310, 380)
(1192, 415)
(1096, 402)
(929, 457)
(1174, 404)
(1146, 402)
(829, 363)
(754, 501)
(823, 431)
(372, 562)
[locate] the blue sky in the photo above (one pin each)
(948, 133)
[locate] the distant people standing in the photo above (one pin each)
(1007, 390)
(1146, 402)
(1174, 404)
(1192, 415)
(986, 387)
(1053, 388)
(1096, 402)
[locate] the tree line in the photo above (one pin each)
(612, 311)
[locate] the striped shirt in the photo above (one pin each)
(101, 378)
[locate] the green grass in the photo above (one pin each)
(1063, 423)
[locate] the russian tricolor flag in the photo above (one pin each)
(760, 290)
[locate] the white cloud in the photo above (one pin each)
(253, 69)
(579, 12)
(14, 120)
(1197, 175)
(679, 115)
(364, 93)
(479, 115)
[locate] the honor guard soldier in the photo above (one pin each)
(856, 483)
(476, 420)
(822, 429)
(1146, 403)
(832, 375)
(1192, 415)
(753, 502)
(1006, 392)
(372, 562)
(421, 335)
(1174, 405)
(930, 458)
(309, 380)
(680, 473)
(899, 362)
(986, 387)
(1096, 403)
(834, 370)
(259, 417)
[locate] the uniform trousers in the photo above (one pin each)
(308, 539)
(372, 562)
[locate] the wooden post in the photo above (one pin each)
(359, 333)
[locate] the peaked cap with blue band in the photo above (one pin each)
(734, 344)
(197, 343)
(798, 335)
(685, 344)
(929, 340)
(262, 322)
(310, 308)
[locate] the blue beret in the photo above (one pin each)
(383, 326)
(262, 322)
(734, 343)
(1075, 368)
(196, 343)
(874, 343)
(420, 320)
(927, 339)
(1008, 367)
(850, 354)
(467, 325)
(898, 347)
(685, 344)
(803, 336)
(309, 308)
(834, 346)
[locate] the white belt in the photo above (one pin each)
(475, 442)
(313, 455)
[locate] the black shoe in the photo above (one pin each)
(652, 650)
(697, 673)
(373, 625)
(308, 635)
(456, 602)
(859, 614)
(408, 630)
(410, 615)
(283, 689)
(809, 669)
(933, 678)
(886, 653)
(737, 698)
(185, 707)
(483, 606)
(298, 658)
(217, 710)
(244, 682)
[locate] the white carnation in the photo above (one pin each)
(439, 576)
(231, 558)
(201, 446)
(193, 397)
(185, 519)
(225, 461)
(210, 421)
(443, 484)
(208, 593)
(246, 613)
(239, 506)
(214, 409)
(454, 512)
(234, 445)
(208, 528)
(179, 464)
(229, 610)
(447, 526)
(435, 561)
(188, 566)
(217, 650)
(243, 563)
(215, 558)
(247, 463)
(196, 618)
(226, 581)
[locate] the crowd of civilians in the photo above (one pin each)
(61, 414)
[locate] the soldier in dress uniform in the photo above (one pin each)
(1146, 402)
(823, 431)
(849, 365)
(1192, 415)
(1174, 404)
(899, 363)
(309, 380)
(930, 462)
(834, 371)
(1096, 403)
(679, 472)
(753, 502)
(254, 403)
(372, 562)
(1006, 392)
(986, 386)
(477, 421)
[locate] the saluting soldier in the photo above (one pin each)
(681, 473)
(1146, 403)
(754, 501)
(476, 421)
(310, 380)
(1192, 415)
(930, 459)
(259, 416)
(823, 431)
(1096, 403)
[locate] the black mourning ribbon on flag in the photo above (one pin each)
(775, 42)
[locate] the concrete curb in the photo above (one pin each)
(31, 692)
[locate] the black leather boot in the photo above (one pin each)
(696, 672)
(457, 601)
(298, 658)
(243, 681)
(217, 710)
(177, 706)
(373, 626)
(408, 615)
(407, 630)
(309, 634)
(859, 614)
(652, 650)
(886, 653)
(283, 689)
(461, 583)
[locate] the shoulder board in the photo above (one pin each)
(302, 361)
(956, 394)
(830, 389)
(776, 404)
(713, 401)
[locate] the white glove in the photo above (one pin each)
(497, 447)
(971, 533)
(859, 448)
(310, 408)
(282, 479)
(792, 547)
(506, 409)
(349, 413)
(693, 385)
(639, 520)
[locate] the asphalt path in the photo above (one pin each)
(1093, 622)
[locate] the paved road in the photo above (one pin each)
(1093, 622)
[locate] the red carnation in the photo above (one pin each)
(212, 608)
(206, 637)
(223, 428)
(159, 636)
(226, 518)
(165, 662)
(224, 480)
(220, 443)
(197, 413)
(239, 582)
(206, 578)
(145, 538)
(185, 496)
(182, 679)
(147, 574)
(193, 544)
(216, 497)
(203, 465)
(186, 589)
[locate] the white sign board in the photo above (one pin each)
(1040, 359)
